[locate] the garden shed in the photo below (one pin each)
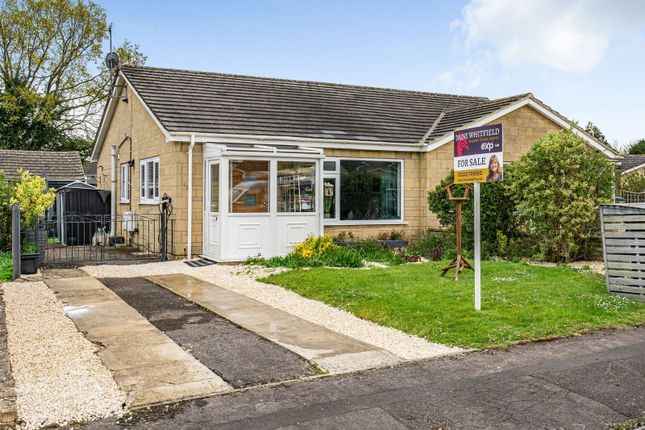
(80, 210)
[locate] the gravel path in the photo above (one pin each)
(241, 279)
(59, 378)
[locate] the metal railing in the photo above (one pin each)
(623, 196)
(73, 239)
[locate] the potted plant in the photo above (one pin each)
(29, 258)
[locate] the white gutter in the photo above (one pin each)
(189, 249)
(113, 192)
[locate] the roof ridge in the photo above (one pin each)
(490, 101)
(330, 84)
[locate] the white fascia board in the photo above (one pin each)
(539, 107)
(632, 169)
(302, 141)
(107, 118)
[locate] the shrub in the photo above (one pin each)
(5, 214)
(634, 182)
(344, 236)
(317, 252)
(432, 245)
(314, 246)
(497, 211)
(557, 187)
(33, 197)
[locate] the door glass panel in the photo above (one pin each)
(249, 186)
(296, 186)
(215, 187)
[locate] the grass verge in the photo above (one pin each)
(520, 302)
(6, 266)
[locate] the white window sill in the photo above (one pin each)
(365, 222)
(148, 202)
(124, 201)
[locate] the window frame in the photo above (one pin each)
(144, 186)
(124, 183)
(336, 174)
(315, 185)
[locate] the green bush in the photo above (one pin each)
(634, 182)
(334, 256)
(6, 266)
(5, 214)
(497, 211)
(557, 187)
(432, 245)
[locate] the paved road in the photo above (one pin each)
(585, 382)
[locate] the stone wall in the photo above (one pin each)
(147, 140)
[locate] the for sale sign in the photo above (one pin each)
(479, 154)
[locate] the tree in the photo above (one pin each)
(593, 130)
(557, 187)
(50, 93)
(637, 147)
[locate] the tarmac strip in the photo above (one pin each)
(239, 356)
(331, 351)
(146, 364)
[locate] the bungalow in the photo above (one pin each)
(254, 165)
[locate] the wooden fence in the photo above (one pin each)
(623, 241)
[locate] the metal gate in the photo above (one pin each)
(88, 239)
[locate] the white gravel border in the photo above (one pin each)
(59, 378)
(241, 279)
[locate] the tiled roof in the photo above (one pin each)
(55, 166)
(458, 117)
(201, 102)
(631, 161)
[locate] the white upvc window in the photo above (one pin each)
(363, 191)
(149, 180)
(125, 183)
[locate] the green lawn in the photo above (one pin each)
(6, 267)
(519, 301)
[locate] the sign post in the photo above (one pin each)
(478, 157)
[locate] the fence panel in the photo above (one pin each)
(623, 239)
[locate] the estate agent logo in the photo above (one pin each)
(479, 155)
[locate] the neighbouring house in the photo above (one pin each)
(632, 164)
(58, 168)
(254, 165)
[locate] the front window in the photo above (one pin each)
(296, 186)
(149, 180)
(370, 190)
(249, 186)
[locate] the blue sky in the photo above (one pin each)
(584, 58)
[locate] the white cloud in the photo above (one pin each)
(571, 36)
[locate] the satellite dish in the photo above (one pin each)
(112, 60)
